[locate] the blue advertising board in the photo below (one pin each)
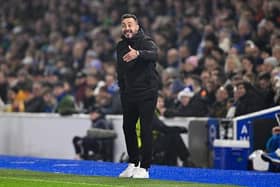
(242, 125)
(213, 131)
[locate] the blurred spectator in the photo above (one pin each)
(269, 64)
(24, 81)
(65, 101)
(92, 63)
(264, 86)
(80, 87)
(184, 52)
(16, 99)
(247, 99)
(189, 106)
(248, 68)
(210, 63)
(276, 51)
(190, 66)
(232, 65)
(4, 86)
(104, 100)
(172, 58)
(189, 36)
(50, 100)
(242, 35)
(35, 102)
(51, 41)
(219, 108)
(78, 55)
(111, 84)
(89, 100)
(98, 142)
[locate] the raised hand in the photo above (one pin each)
(131, 55)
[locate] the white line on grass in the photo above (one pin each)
(55, 181)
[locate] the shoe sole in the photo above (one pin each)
(269, 159)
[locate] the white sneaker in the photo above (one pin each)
(129, 171)
(140, 173)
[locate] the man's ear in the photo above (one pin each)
(138, 27)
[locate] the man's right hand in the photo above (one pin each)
(131, 55)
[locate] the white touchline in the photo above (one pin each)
(54, 181)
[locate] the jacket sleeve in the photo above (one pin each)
(149, 50)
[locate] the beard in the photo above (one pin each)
(128, 33)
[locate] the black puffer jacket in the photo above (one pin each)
(252, 101)
(138, 79)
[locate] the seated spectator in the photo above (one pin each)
(172, 58)
(190, 66)
(111, 84)
(265, 87)
(4, 86)
(65, 101)
(247, 99)
(219, 107)
(98, 142)
(89, 99)
(35, 102)
(269, 64)
(164, 137)
(50, 100)
(80, 87)
(16, 99)
(190, 105)
(249, 68)
(104, 100)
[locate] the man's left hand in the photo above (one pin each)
(131, 55)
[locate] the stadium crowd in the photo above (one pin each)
(218, 58)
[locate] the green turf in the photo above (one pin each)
(20, 178)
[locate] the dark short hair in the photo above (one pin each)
(125, 16)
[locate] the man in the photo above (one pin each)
(248, 99)
(138, 82)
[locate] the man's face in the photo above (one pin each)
(240, 91)
(129, 27)
(185, 100)
(58, 90)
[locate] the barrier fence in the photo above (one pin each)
(50, 135)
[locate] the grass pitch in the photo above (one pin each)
(22, 178)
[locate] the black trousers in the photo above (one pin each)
(144, 110)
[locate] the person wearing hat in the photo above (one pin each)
(184, 98)
(269, 64)
(139, 83)
(189, 105)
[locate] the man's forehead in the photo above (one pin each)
(128, 20)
